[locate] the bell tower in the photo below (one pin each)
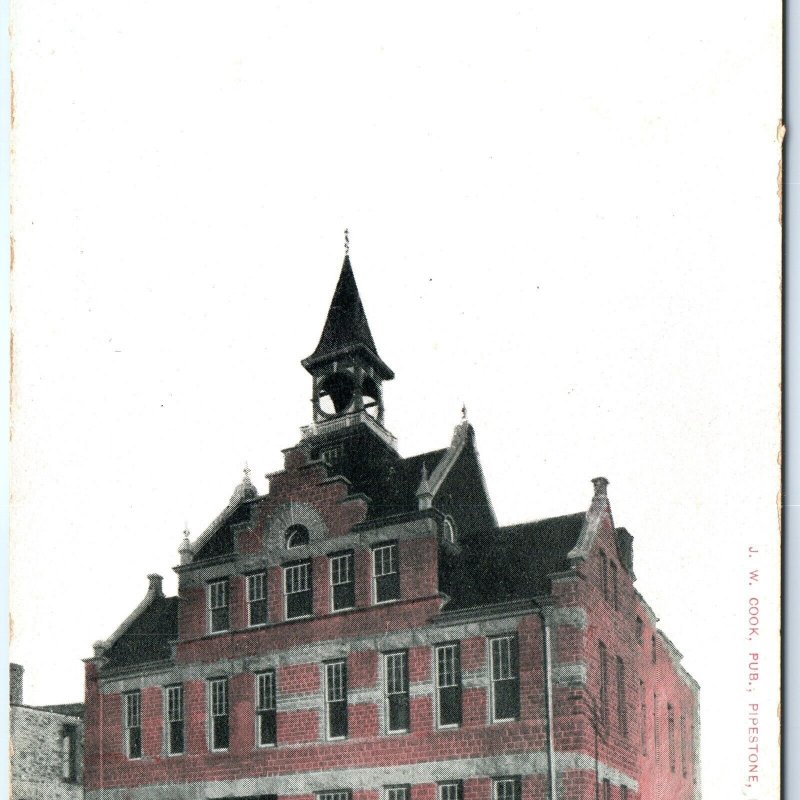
(345, 368)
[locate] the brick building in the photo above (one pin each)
(366, 631)
(46, 744)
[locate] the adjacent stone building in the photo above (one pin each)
(366, 631)
(46, 747)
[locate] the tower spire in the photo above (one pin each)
(345, 366)
(346, 330)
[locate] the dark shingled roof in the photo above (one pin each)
(394, 490)
(374, 469)
(512, 562)
(66, 709)
(149, 636)
(346, 328)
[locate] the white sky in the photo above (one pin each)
(563, 215)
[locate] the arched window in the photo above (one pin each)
(449, 530)
(296, 536)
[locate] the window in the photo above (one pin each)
(386, 576)
(133, 724)
(603, 683)
(340, 795)
(655, 725)
(396, 793)
(332, 455)
(505, 678)
(604, 573)
(218, 618)
(506, 789)
(343, 587)
(336, 699)
(174, 714)
(683, 746)
(256, 599)
(266, 721)
(643, 720)
(623, 792)
(449, 531)
(448, 685)
(671, 737)
(450, 791)
(614, 586)
(653, 648)
(639, 630)
(397, 703)
(622, 711)
(218, 707)
(606, 789)
(297, 583)
(296, 536)
(69, 753)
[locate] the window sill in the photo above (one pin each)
(267, 746)
(175, 755)
(398, 733)
(386, 602)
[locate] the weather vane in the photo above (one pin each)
(346, 241)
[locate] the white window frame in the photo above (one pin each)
(335, 692)
(256, 588)
(213, 683)
(133, 721)
(452, 676)
(335, 575)
(269, 690)
(174, 712)
(215, 602)
(388, 658)
(290, 533)
(505, 672)
(449, 530)
(397, 792)
(450, 790)
(289, 570)
(393, 569)
(338, 794)
(500, 787)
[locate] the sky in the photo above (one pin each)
(561, 215)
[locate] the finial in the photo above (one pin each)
(424, 493)
(347, 241)
(185, 549)
(464, 412)
(246, 472)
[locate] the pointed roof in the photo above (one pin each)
(346, 328)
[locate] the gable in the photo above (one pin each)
(148, 637)
(222, 540)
